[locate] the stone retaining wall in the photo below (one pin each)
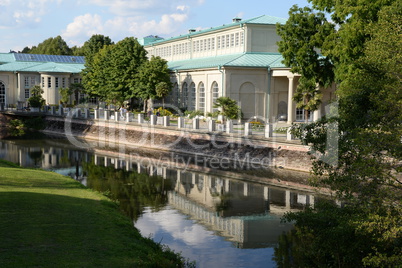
(212, 149)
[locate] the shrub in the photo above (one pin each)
(163, 112)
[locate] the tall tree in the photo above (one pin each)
(151, 74)
(302, 34)
(365, 49)
(127, 58)
(52, 46)
(93, 45)
(92, 74)
(112, 73)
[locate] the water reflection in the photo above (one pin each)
(211, 219)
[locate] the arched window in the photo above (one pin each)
(185, 96)
(192, 98)
(201, 97)
(215, 94)
(2, 93)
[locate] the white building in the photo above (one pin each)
(239, 60)
(20, 72)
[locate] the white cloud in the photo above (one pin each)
(82, 28)
(119, 27)
(23, 12)
(138, 7)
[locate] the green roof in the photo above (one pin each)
(248, 60)
(19, 62)
(264, 19)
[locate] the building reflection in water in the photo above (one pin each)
(245, 213)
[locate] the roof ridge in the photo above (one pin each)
(252, 19)
(241, 55)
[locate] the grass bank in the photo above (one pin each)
(48, 220)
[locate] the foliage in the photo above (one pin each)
(162, 89)
(36, 100)
(229, 107)
(16, 127)
(163, 112)
(152, 75)
(303, 33)
(93, 46)
(65, 94)
(256, 125)
(112, 74)
(281, 130)
(192, 114)
(35, 123)
(52, 46)
(76, 89)
(358, 149)
(214, 114)
(326, 237)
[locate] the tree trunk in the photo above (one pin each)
(145, 105)
(306, 115)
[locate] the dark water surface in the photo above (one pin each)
(215, 220)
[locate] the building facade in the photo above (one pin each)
(20, 72)
(239, 60)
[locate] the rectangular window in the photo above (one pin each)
(202, 45)
(219, 42)
(57, 82)
(227, 41)
(241, 38)
(223, 41)
(237, 41)
(49, 82)
(63, 82)
(76, 80)
(27, 93)
(43, 82)
(213, 43)
(26, 81)
(33, 81)
(232, 40)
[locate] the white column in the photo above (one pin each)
(291, 107)
(317, 113)
(287, 199)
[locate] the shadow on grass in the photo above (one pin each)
(47, 230)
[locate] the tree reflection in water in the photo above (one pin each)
(131, 190)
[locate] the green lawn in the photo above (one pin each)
(48, 220)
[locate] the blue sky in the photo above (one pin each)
(29, 22)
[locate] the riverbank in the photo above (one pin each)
(49, 220)
(220, 146)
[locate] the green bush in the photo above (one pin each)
(192, 114)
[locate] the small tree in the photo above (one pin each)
(162, 90)
(229, 107)
(65, 94)
(36, 100)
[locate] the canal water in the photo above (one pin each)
(215, 220)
